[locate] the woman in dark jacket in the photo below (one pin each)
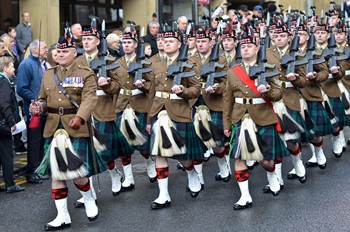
(8, 108)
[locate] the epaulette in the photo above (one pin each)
(53, 67)
(84, 67)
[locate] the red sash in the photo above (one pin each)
(243, 76)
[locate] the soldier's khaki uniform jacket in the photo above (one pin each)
(261, 114)
(84, 95)
(155, 58)
(138, 102)
(214, 101)
(290, 95)
(330, 85)
(105, 109)
(178, 110)
(345, 66)
(312, 90)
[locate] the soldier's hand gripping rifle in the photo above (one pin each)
(100, 64)
(311, 50)
(137, 68)
(289, 61)
(329, 53)
(176, 71)
(260, 70)
(208, 71)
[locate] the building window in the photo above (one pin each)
(78, 11)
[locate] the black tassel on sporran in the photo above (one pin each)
(62, 166)
(215, 131)
(204, 132)
(178, 139)
(131, 134)
(165, 139)
(74, 162)
(249, 142)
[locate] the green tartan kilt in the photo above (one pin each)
(82, 146)
(339, 111)
(216, 117)
(195, 148)
(116, 143)
(142, 117)
(308, 134)
(273, 145)
(323, 125)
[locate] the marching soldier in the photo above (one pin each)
(132, 105)
(63, 88)
(248, 109)
(331, 90)
(173, 134)
(341, 38)
(315, 74)
(104, 112)
(290, 104)
(211, 101)
(229, 43)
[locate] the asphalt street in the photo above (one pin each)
(321, 204)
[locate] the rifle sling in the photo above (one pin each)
(243, 76)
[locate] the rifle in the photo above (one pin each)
(177, 70)
(311, 51)
(100, 64)
(259, 71)
(208, 71)
(289, 61)
(137, 68)
(329, 53)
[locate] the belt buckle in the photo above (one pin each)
(60, 111)
(283, 84)
(127, 92)
(203, 85)
(165, 95)
(248, 101)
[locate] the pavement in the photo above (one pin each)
(320, 205)
(19, 168)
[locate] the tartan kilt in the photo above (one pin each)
(308, 134)
(195, 148)
(339, 111)
(216, 117)
(83, 148)
(269, 135)
(116, 143)
(323, 125)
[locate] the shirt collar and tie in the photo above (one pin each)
(90, 57)
(170, 60)
(204, 57)
(129, 61)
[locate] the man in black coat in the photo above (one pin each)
(8, 108)
(151, 37)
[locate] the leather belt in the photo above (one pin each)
(128, 92)
(100, 92)
(249, 101)
(62, 111)
(167, 95)
(287, 84)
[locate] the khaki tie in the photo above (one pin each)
(128, 62)
(89, 59)
(203, 59)
(247, 69)
(169, 61)
(64, 72)
(229, 59)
